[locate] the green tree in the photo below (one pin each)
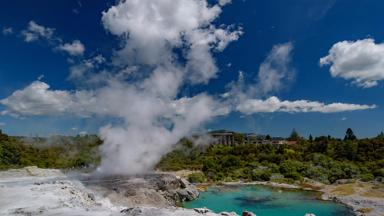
(196, 177)
(310, 138)
(261, 175)
(349, 135)
(380, 136)
(294, 136)
(239, 138)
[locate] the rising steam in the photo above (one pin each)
(171, 42)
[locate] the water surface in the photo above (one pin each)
(266, 201)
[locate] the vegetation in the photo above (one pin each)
(54, 152)
(196, 177)
(324, 159)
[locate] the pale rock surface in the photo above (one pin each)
(32, 191)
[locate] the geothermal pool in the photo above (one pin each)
(266, 201)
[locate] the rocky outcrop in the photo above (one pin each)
(159, 190)
(33, 191)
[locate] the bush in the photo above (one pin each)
(261, 175)
(335, 173)
(196, 177)
(290, 168)
(316, 173)
(379, 172)
(367, 177)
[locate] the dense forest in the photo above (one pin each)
(324, 159)
(53, 152)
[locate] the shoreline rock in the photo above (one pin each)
(358, 196)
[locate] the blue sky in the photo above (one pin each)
(310, 27)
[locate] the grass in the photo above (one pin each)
(376, 193)
(344, 190)
(365, 210)
(310, 186)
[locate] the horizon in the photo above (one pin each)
(206, 132)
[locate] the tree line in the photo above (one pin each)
(325, 158)
(54, 152)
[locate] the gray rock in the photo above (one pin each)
(132, 211)
(228, 214)
(202, 210)
(159, 190)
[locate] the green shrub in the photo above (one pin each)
(367, 177)
(261, 175)
(196, 177)
(379, 172)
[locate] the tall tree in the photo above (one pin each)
(349, 135)
(294, 136)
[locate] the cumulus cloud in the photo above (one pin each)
(224, 2)
(38, 99)
(274, 104)
(35, 32)
(7, 31)
(360, 61)
(276, 72)
(76, 48)
(154, 28)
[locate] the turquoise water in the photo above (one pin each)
(266, 201)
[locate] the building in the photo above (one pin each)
(230, 138)
(223, 137)
(252, 138)
(278, 141)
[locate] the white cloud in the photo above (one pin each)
(153, 28)
(224, 2)
(360, 61)
(37, 99)
(2, 124)
(7, 31)
(274, 104)
(89, 72)
(35, 31)
(76, 48)
(276, 72)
